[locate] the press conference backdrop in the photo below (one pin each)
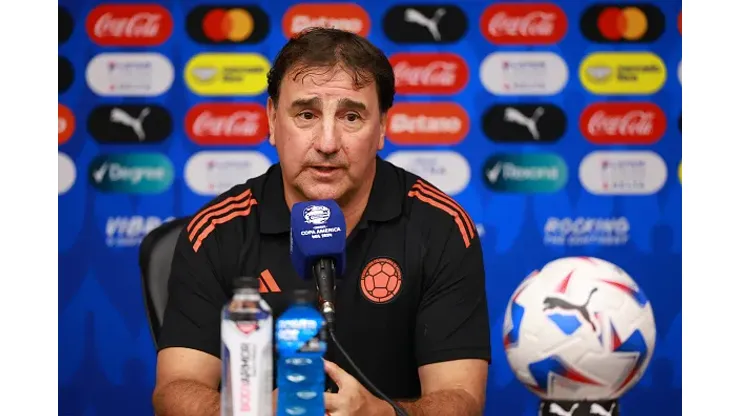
(556, 125)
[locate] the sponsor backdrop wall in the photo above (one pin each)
(556, 125)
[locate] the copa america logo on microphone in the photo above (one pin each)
(316, 214)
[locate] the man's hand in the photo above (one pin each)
(352, 398)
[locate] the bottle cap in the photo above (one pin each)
(304, 296)
(246, 282)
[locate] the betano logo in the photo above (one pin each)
(525, 173)
(427, 123)
(623, 73)
(349, 17)
(139, 173)
(227, 74)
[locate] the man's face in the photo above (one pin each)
(326, 132)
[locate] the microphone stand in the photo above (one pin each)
(324, 272)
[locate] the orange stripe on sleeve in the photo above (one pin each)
(200, 215)
(415, 193)
(270, 281)
(221, 220)
(230, 207)
(451, 202)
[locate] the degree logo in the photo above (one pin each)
(228, 25)
(623, 73)
(615, 23)
(227, 74)
(134, 173)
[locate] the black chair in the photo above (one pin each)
(155, 259)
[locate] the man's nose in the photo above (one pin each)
(329, 140)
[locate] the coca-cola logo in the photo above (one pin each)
(66, 123)
(429, 73)
(345, 16)
(526, 23)
(129, 25)
(427, 123)
(623, 123)
(227, 124)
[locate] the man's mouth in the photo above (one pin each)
(325, 169)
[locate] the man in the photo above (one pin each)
(423, 339)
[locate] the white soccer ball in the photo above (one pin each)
(579, 329)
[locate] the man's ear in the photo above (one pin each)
(271, 114)
(383, 124)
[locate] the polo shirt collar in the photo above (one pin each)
(384, 204)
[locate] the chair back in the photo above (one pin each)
(155, 259)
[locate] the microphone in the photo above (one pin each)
(317, 243)
(318, 236)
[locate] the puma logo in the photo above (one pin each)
(553, 302)
(597, 409)
(431, 24)
(120, 116)
(557, 410)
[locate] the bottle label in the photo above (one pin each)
(248, 373)
(303, 335)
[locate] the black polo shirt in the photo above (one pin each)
(413, 292)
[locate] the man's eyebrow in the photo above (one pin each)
(349, 104)
(314, 102)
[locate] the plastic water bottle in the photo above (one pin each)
(300, 335)
(246, 352)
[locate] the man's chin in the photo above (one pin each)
(324, 191)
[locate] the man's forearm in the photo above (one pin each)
(443, 402)
(186, 398)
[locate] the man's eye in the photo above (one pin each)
(306, 115)
(352, 117)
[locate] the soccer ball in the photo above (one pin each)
(579, 329)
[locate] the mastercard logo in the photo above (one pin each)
(217, 25)
(612, 23)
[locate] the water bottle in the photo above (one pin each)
(300, 335)
(246, 352)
